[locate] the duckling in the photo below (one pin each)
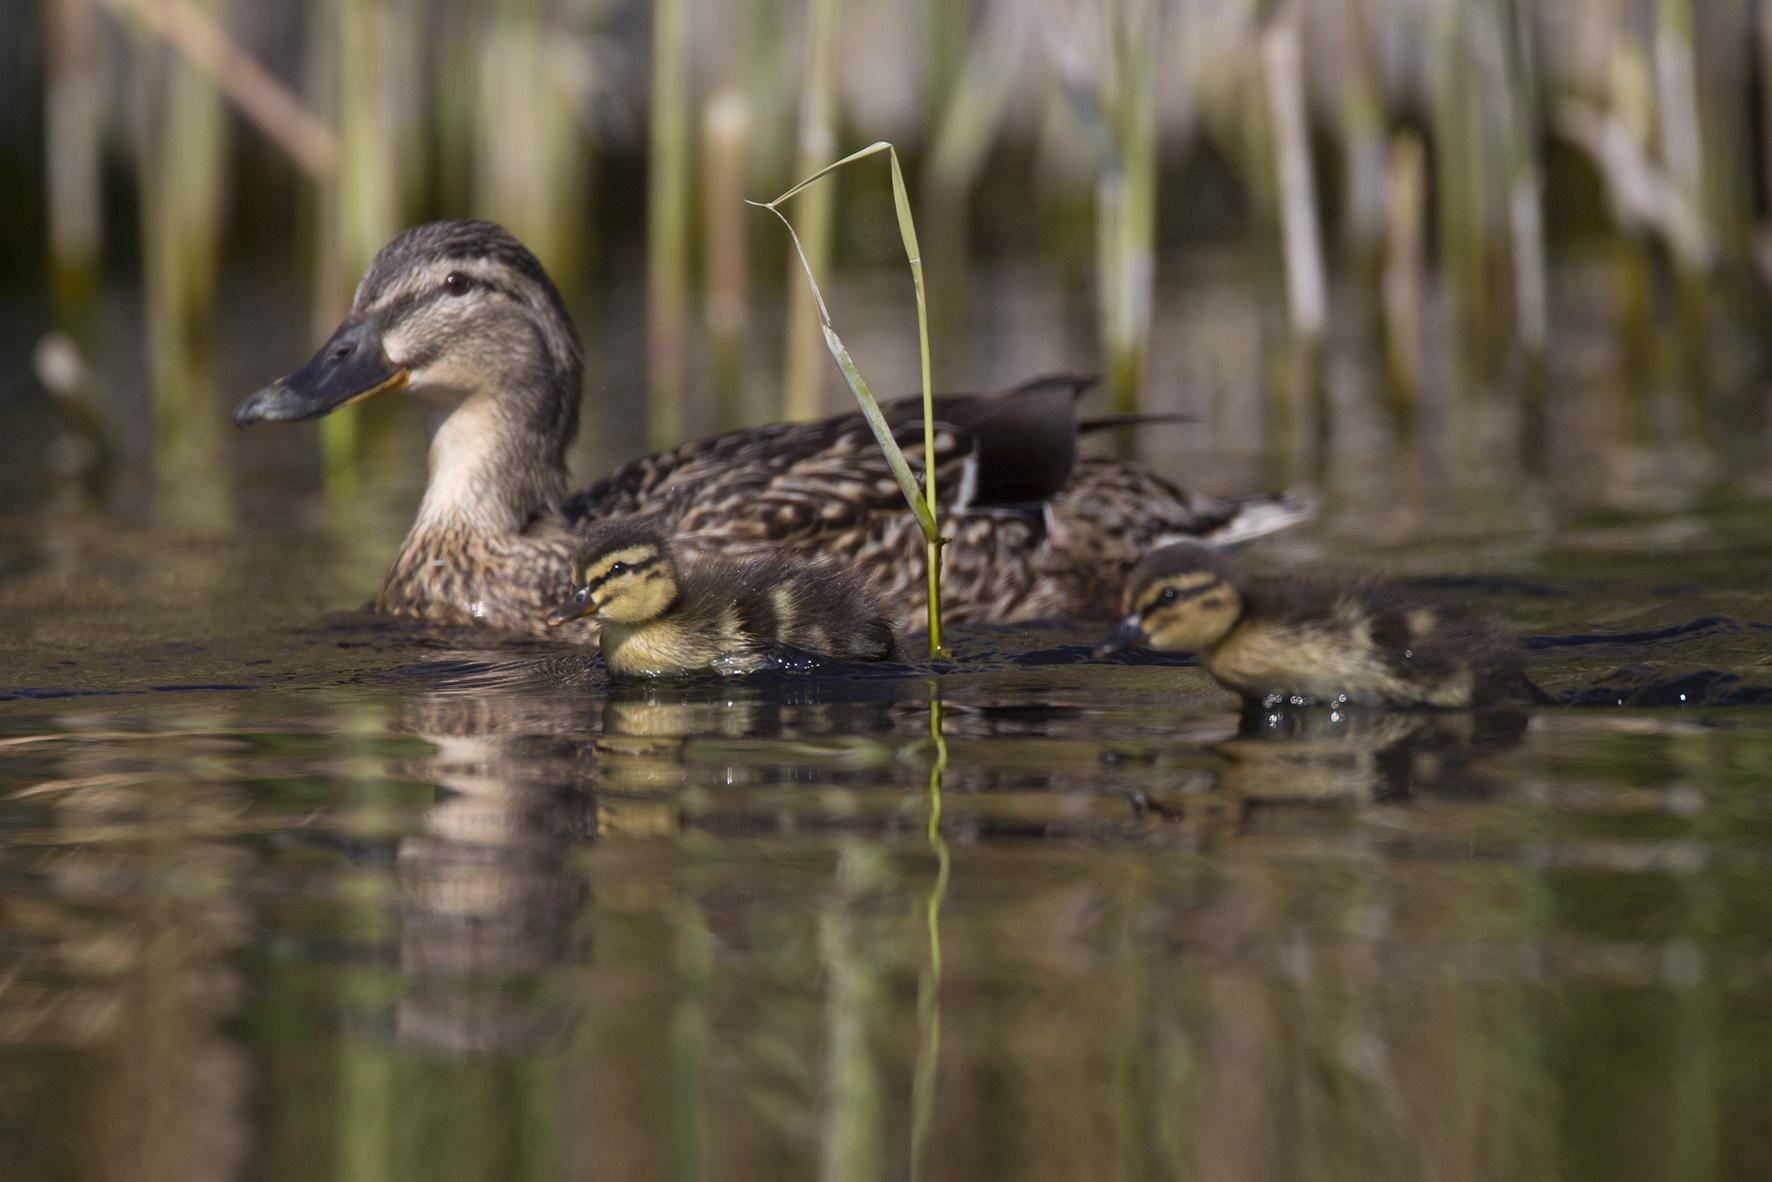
(460, 315)
(658, 617)
(1315, 638)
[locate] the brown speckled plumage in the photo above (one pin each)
(462, 315)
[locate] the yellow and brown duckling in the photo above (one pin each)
(461, 316)
(658, 616)
(1316, 639)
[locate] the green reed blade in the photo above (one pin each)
(923, 502)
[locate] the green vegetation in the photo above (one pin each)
(923, 504)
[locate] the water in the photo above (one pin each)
(288, 891)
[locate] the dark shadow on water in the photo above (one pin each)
(1640, 687)
(1702, 626)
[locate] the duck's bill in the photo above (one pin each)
(1128, 633)
(349, 368)
(577, 606)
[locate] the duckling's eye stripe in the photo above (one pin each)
(1190, 590)
(628, 568)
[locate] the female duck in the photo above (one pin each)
(1316, 639)
(658, 617)
(461, 315)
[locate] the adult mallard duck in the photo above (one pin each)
(1316, 639)
(461, 314)
(729, 617)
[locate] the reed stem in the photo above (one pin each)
(202, 41)
(1363, 131)
(72, 114)
(923, 504)
(181, 146)
(929, 981)
(817, 142)
(667, 225)
(725, 145)
(1406, 206)
(1306, 295)
(1127, 196)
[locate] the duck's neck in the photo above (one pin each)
(492, 473)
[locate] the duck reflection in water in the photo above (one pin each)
(684, 751)
(489, 896)
(1285, 762)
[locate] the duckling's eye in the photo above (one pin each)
(455, 283)
(618, 568)
(1169, 595)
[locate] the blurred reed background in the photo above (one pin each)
(1402, 181)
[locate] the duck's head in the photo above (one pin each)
(624, 574)
(448, 311)
(1182, 598)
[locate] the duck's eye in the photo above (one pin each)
(618, 568)
(455, 283)
(1169, 595)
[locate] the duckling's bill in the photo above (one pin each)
(350, 367)
(577, 606)
(1128, 633)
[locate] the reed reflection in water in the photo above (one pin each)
(460, 928)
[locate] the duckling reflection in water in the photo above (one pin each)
(658, 617)
(1316, 639)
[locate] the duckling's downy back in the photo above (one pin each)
(1380, 643)
(1317, 637)
(658, 616)
(815, 607)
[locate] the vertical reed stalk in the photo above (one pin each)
(1513, 25)
(1458, 181)
(531, 160)
(366, 186)
(1126, 195)
(1682, 150)
(1676, 91)
(332, 271)
(689, 1042)
(923, 504)
(1765, 49)
(180, 149)
(818, 116)
(181, 170)
(72, 110)
(967, 106)
(1630, 109)
(1306, 295)
(360, 202)
(772, 82)
(929, 981)
(853, 1146)
(667, 224)
(1363, 130)
(725, 140)
(1406, 211)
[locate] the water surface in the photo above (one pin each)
(289, 891)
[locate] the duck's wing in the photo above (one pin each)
(789, 484)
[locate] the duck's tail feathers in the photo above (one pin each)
(1110, 422)
(1078, 384)
(1255, 516)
